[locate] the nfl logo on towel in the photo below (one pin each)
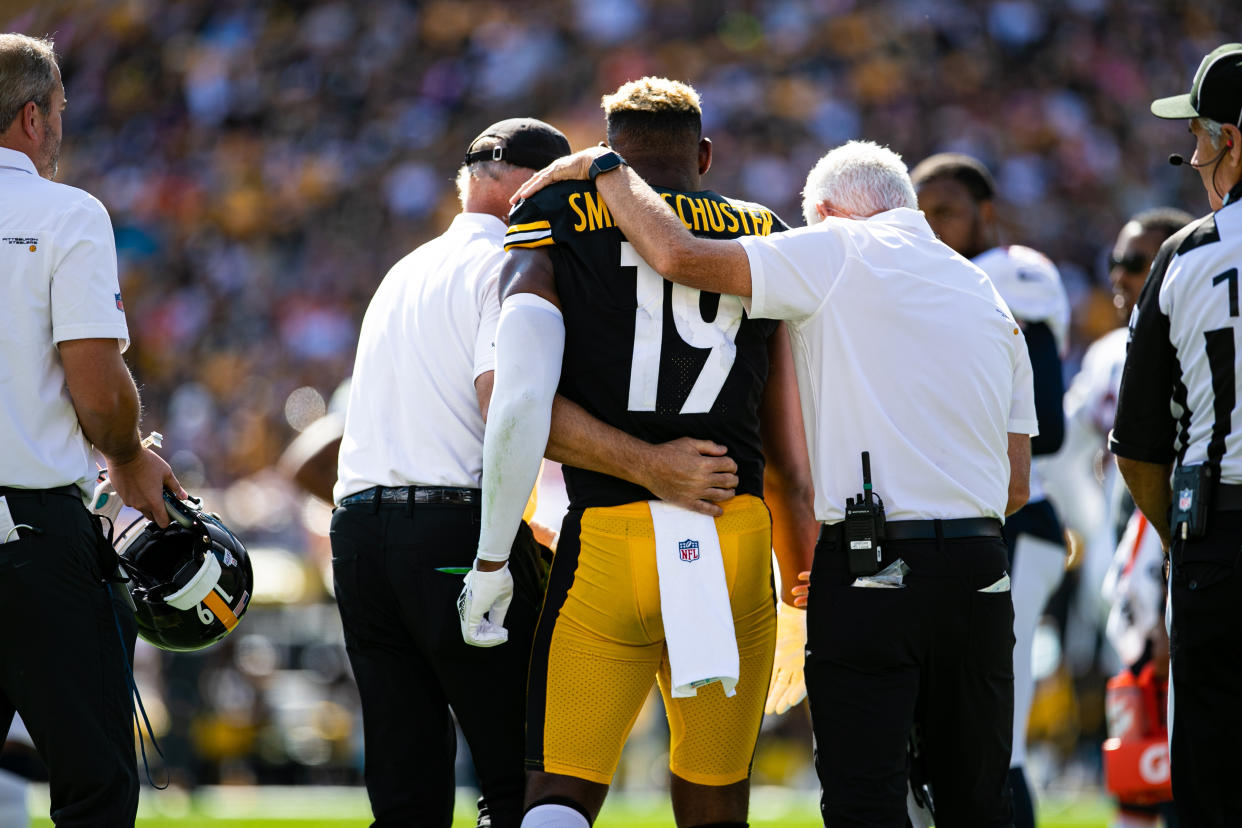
(689, 550)
(1187, 497)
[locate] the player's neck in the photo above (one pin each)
(668, 176)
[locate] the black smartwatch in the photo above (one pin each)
(608, 161)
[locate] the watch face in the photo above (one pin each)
(604, 163)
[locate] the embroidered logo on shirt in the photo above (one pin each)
(689, 550)
(119, 304)
(33, 243)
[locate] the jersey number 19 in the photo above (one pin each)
(718, 336)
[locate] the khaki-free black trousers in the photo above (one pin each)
(62, 665)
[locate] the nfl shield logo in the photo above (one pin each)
(119, 304)
(1185, 499)
(689, 550)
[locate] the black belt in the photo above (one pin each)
(69, 490)
(1228, 497)
(931, 529)
(443, 495)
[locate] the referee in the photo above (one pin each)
(408, 490)
(63, 388)
(903, 350)
(1177, 413)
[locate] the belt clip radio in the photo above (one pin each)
(864, 526)
(1193, 490)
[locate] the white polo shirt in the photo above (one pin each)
(58, 281)
(413, 415)
(904, 349)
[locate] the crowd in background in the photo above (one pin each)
(266, 161)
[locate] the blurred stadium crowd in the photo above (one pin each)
(266, 161)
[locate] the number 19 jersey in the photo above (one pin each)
(654, 359)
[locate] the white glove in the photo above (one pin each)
(105, 501)
(485, 593)
(788, 685)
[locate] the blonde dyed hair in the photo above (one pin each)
(659, 114)
(653, 95)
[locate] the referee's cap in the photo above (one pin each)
(523, 142)
(1216, 92)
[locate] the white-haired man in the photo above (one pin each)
(905, 351)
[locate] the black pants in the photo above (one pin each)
(1206, 591)
(936, 652)
(62, 666)
(404, 642)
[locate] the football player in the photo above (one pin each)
(1134, 584)
(583, 310)
(956, 194)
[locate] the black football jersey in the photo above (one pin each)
(654, 359)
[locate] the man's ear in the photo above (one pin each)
(31, 120)
(1233, 143)
(705, 155)
(987, 212)
(823, 210)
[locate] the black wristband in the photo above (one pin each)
(604, 163)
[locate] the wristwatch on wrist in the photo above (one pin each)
(608, 161)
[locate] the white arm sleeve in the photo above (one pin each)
(530, 340)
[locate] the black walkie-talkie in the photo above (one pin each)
(864, 526)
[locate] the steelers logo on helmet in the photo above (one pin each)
(191, 581)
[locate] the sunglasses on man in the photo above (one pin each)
(1133, 263)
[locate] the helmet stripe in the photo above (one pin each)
(220, 610)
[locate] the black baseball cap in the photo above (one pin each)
(522, 142)
(1215, 93)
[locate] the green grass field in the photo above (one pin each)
(312, 807)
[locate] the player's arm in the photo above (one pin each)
(310, 460)
(787, 486)
(790, 496)
(529, 341)
(691, 473)
(719, 266)
(1049, 388)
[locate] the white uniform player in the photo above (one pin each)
(1031, 285)
(1134, 587)
(1121, 584)
(957, 194)
(1083, 482)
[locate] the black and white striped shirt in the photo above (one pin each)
(1178, 398)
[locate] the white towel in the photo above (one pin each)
(694, 600)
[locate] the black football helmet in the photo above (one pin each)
(191, 581)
